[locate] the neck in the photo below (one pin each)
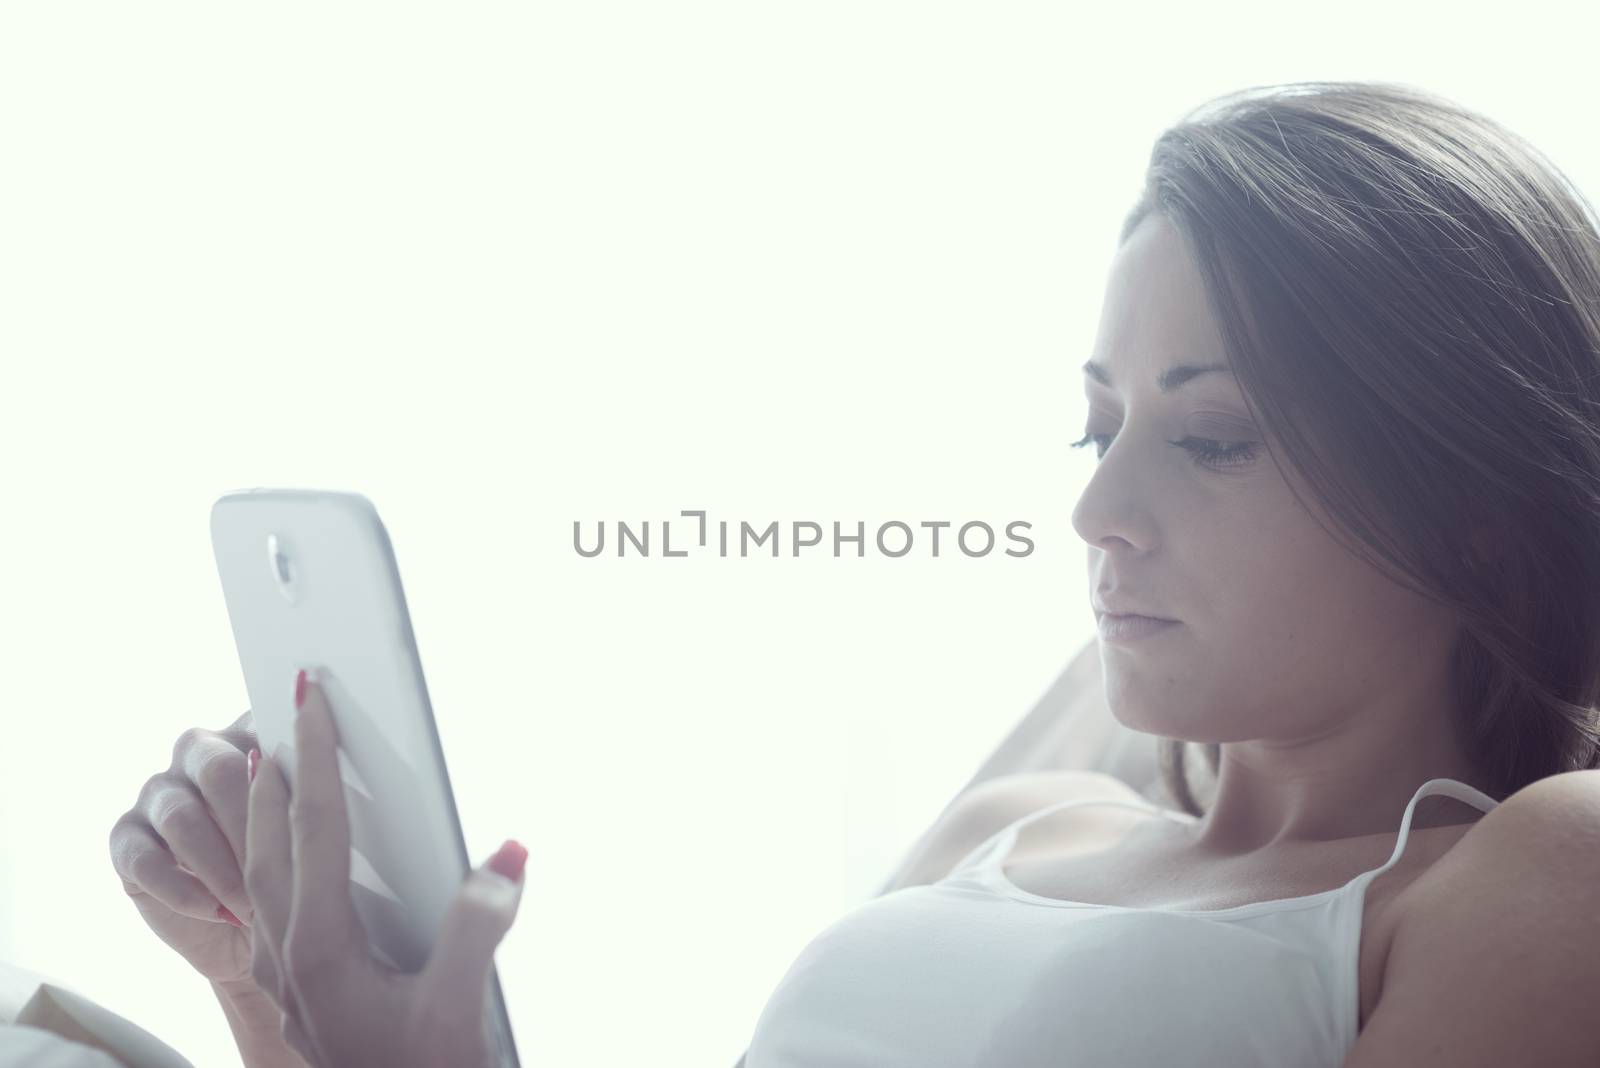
(1353, 781)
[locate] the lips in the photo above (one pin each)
(1123, 601)
(1115, 628)
(1125, 611)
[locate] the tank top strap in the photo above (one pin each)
(1450, 788)
(994, 849)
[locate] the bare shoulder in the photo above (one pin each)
(984, 809)
(1503, 923)
(1554, 807)
(1540, 842)
(1542, 822)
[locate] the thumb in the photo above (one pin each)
(478, 919)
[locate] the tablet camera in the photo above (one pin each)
(282, 566)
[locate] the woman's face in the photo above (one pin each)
(1282, 634)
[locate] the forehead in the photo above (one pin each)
(1155, 313)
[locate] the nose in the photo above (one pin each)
(1112, 512)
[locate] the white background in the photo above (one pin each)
(503, 267)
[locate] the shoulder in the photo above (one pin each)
(1539, 839)
(1496, 956)
(1564, 803)
(1542, 842)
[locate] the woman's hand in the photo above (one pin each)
(342, 1007)
(180, 852)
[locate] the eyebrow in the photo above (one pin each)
(1169, 380)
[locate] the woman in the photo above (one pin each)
(1345, 398)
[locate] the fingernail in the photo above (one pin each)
(300, 688)
(254, 759)
(509, 859)
(223, 913)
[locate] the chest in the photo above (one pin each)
(1108, 858)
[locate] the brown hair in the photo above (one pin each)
(1409, 294)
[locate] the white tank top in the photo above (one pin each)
(974, 971)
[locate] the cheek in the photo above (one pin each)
(1274, 613)
(1295, 599)
(1310, 619)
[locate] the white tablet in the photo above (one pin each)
(310, 577)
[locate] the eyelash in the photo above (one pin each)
(1217, 455)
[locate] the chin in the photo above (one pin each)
(1139, 716)
(1140, 720)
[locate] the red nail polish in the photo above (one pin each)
(252, 761)
(300, 688)
(510, 858)
(223, 913)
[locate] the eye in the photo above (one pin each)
(1218, 453)
(1207, 453)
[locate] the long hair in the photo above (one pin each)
(1409, 294)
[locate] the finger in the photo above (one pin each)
(148, 868)
(268, 976)
(297, 1039)
(326, 943)
(269, 875)
(265, 971)
(184, 821)
(269, 860)
(325, 920)
(216, 768)
(479, 917)
(242, 731)
(179, 818)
